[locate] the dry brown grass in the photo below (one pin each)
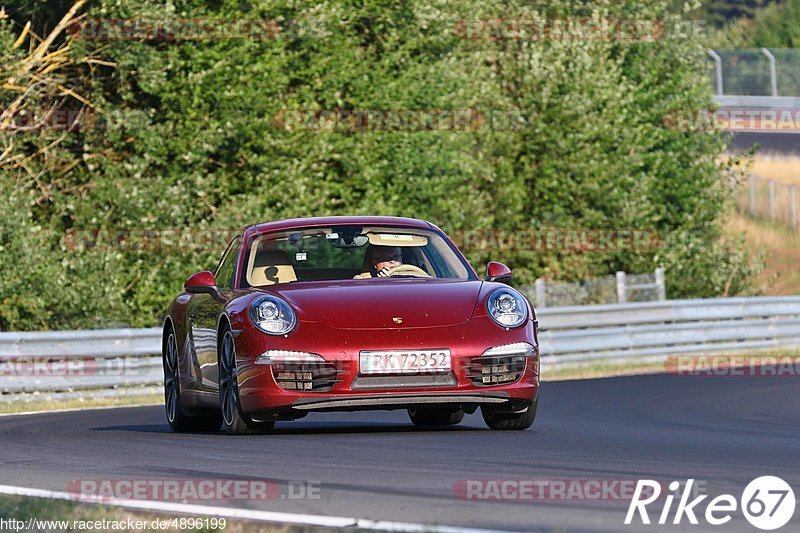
(778, 167)
(780, 242)
(783, 169)
(781, 276)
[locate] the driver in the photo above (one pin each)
(380, 260)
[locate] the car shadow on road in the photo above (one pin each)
(294, 428)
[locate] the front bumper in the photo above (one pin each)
(361, 403)
(261, 396)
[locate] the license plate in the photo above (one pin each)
(404, 361)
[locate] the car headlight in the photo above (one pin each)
(272, 315)
(507, 308)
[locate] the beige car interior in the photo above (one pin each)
(271, 266)
(268, 267)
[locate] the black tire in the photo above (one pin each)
(427, 417)
(510, 421)
(177, 419)
(234, 420)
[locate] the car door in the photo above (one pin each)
(204, 312)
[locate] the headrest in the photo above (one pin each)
(271, 258)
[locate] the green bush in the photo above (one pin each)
(776, 25)
(590, 149)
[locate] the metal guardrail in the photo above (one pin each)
(128, 359)
(74, 361)
(755, 102)
(654, 330)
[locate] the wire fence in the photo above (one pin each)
(767, 199)
(755, 71)
(621, 288)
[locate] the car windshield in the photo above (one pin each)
(350, 253)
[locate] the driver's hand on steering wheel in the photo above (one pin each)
(389, 265)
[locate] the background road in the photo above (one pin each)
(724, 430)
(778, 143)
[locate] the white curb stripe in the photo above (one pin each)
(243, 514)
(89, 408)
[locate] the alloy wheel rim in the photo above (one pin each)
(170, 379)
(172, 404)
(228, 383)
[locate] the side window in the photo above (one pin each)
(227, 266)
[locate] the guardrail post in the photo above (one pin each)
(773, 71)
(661, 285)
(718, 66)
(539, 289)
(793, 204)
(772, 199)
(752, 185)
(622, 295)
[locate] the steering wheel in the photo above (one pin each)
(402, 270)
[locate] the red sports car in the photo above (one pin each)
(346, 314)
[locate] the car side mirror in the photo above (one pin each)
(498, 272)
(203, 283)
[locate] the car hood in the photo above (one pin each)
(383, 304)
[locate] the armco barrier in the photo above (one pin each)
(654, 330)
(569, 336)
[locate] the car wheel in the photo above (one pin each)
(234, 420)
(177, 419)
(435, 417)
(510, 421)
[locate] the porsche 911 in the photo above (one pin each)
(348, 314)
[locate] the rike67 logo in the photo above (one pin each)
(767, 502)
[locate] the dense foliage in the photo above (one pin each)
(774, 26)
(190, 137)
(721, 12)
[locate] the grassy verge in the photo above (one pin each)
(779, 242)
(781, 245)
(602, 370)
(30, 404)
(49, 512)
(783, 168)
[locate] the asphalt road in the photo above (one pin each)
(721, 431)
(769, 142)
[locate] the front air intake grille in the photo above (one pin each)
(406, 381)
(306, 376)
(489, 370)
